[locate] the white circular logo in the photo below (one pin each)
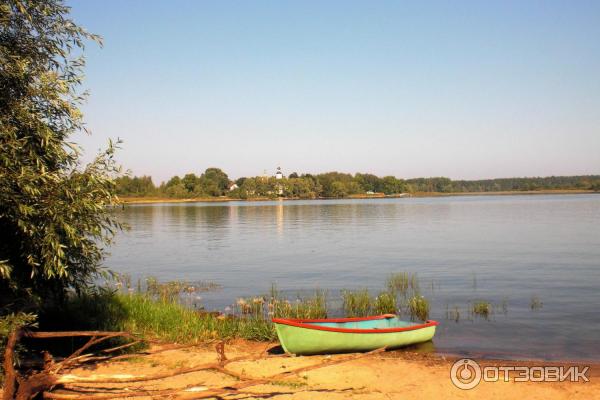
(465, 374)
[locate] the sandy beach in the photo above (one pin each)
(263, 372)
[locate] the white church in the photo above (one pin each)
(278, 174)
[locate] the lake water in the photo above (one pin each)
(507, 250)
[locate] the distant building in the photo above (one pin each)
(278, 174)
(264, 176)
(233, 186)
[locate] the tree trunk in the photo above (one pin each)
(10, 375)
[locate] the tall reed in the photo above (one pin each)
(482, 308)
(418, 308)
(356, 303)
(385, 303)
(403, 284)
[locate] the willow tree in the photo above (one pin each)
(55, 212)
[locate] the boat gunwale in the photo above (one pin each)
(306, 324)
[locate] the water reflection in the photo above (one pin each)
(464, 249)
(279, 218)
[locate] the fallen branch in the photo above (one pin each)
(124, 346)
(49, 377)
(21, 388)
(75, 357)
(71, 379)
(49, 335)
(90, 357)
(189, 392)
(247, 383)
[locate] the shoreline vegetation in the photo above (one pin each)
(173, 311)
(214, 185)
(56, 225)
(153, 200)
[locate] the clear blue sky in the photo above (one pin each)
(461, 89)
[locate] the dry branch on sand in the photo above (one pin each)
(194, 391)
(77, 387)
(21, 387)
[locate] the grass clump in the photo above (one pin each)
(164, 320)
(482, 308)
(418, 308)
(304, 307)
(276, 305)
(165, 315)
(356, 303)
(167, 320)
(403, 283)
(385, 303)
(536, 303)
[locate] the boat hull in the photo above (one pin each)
(303, 340)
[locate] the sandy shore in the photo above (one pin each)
(151, 200)
(388, 375)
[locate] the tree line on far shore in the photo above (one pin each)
(215, 183)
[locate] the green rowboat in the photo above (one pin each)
(344, 335)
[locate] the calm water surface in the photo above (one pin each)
(503, 249)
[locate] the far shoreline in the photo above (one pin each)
(158, 200)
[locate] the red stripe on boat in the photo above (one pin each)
(306, 323)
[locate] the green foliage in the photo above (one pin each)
(214, 182)
(162, 311)
(482, 308)
(392, 185)
(403, 283)
(275, 305)
(357, 303)
(141, 314)
(418, 308)
(445, 185)
(55, 215)
(174, 322)
(191, 183)
(176, 190)
(385, 303)
(368, 182)
(136, 186)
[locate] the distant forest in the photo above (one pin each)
(215, 183)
